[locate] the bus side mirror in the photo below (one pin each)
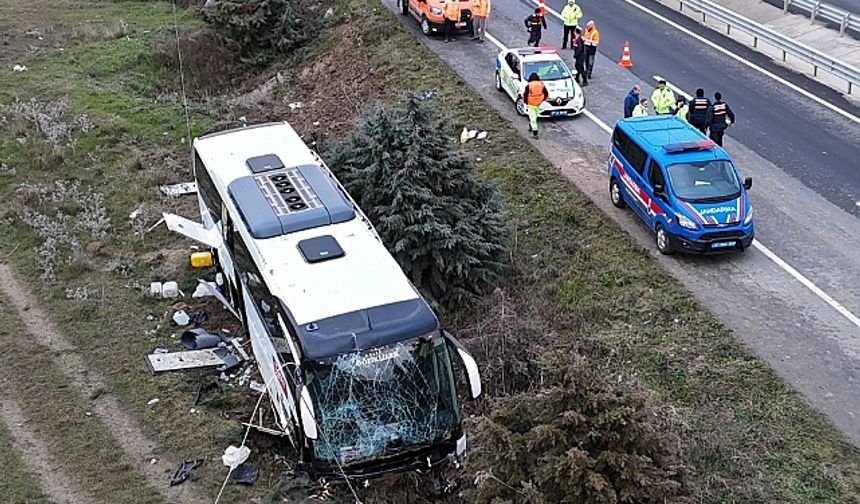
(469, 363)
(748, 183)
(306, 407)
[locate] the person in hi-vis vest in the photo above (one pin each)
(534, 94)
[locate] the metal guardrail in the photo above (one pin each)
(830, 13)
(783, 43)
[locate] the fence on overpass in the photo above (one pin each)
(845, 20)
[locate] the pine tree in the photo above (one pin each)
(444, 227)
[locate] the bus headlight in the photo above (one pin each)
(748, 218)
(686, 223)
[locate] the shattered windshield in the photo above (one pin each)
(384, 400)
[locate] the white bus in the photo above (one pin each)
(356, 366)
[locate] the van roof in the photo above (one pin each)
(654, 132)
(324, 265)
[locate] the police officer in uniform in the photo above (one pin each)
(700, 111)
(722, 118)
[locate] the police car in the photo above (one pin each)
(682, 185)
(513, 68)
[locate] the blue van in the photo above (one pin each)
(681, 184)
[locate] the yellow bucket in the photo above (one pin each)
(201, 259)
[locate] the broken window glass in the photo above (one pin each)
(383, 401)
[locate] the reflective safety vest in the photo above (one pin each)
(571, 14)
(591, 37)
(663, 100)
(451, 9)
(640, 111)
(481, 8)
(536, 93)
(682, 112)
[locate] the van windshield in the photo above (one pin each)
(546, 70)
(383, 401)
(705, 182)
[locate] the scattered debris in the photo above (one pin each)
(256, 386)
(201, 259)
(181, 189)
(192, 359)
(184, 471)
(245, 474)
(233, 456)
(198, 317)
(161, 351)
(426, 95)
(473, 134)
(166, 289)
(295, 105)
(202, 389)
(482, 135)
(237, 344)
(198, 339)
(133, 215)
(19, 68)
(152, 401)
(220, 297)
(181, 318)
(328, 13)
(204, 289)
(464, 135)
(153, 461)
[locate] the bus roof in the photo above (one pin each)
(358, 283)
(664, 137)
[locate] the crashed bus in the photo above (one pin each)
(356, 367)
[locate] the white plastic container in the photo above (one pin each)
(170, 289)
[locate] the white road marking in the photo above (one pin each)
(737, 58)
(758, 245)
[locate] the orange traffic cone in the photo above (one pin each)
(542, 7)
(626, 62)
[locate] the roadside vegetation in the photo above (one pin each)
(611, 360)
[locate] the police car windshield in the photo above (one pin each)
(546, 70)
(382, 401)
(705, 182)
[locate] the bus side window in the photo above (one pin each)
(264, 301)
(206, 188)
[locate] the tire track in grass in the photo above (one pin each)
(44, 378)
(30, 476)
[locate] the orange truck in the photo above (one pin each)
(429, 14)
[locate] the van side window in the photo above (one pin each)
(207, 189)
(634, 154)
(266, 303)
(655, 175)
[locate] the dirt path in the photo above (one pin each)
(54, 482)
(139, 450)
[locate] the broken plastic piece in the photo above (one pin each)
(179, 189)
(19, 68)
(482, 135)
(152, 401)
(245, 474)
(161, 351)
(204, 289)
(184, 471)
(220, 297)
(234, 456)
(425, 95)
(181, 318)
(295, 105)
(473, 133)
(256, 386)
(198, 339)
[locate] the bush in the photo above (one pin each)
(585, 439)
(258, 30)
(444, 227)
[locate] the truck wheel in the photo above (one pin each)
(663, 243)
(615, 194)
(425, 27)
(521, 107)
(404, 6)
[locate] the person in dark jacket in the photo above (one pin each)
(700, 111)
(722, 118)
(535, 23)
(631, 100)
(579, 56)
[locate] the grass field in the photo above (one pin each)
(580, 282)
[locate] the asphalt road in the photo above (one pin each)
(807, 341)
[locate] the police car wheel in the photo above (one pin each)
(521, 107)
(498, 82)
(615, 194)
(663, 243)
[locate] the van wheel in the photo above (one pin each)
(521, 107)
(425, 26)
(498, 82)
(404, 6)
(615, 194)
(663, 243)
